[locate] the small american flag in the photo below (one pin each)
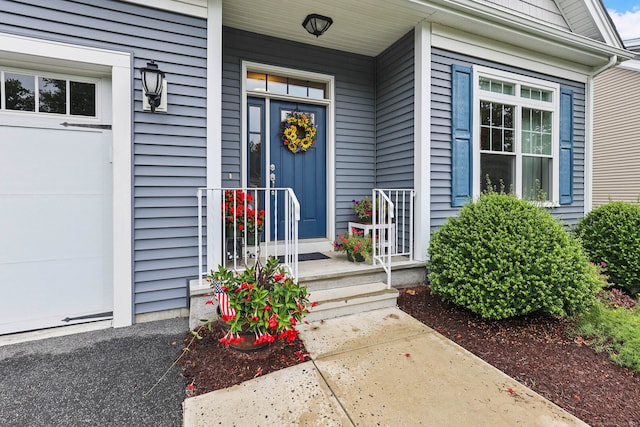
(223, 300)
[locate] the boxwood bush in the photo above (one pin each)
(610, 234)
(504, 257)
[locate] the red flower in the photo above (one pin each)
(273, 322)
(301, 355)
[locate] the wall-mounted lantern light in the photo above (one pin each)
(153, 86)
(317, 24)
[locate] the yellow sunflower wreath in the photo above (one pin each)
(298, 132)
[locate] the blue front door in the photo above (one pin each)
(304, 171)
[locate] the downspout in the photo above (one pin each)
(588, 181)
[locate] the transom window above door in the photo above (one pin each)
(27, 92)
(272, 83)
(517, 134)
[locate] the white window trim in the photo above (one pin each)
(329, 102)
(554, 106)
(15, 117)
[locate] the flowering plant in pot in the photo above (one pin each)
(262, 300)
(364, 209)
(239, 212)
(357, 246)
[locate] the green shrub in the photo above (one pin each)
(611, 234)
(504, 257)
(615, 330)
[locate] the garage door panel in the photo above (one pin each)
(53, 161)
(36, 297)
(54, 227)
(56, 215)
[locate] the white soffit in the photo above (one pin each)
(358, 27)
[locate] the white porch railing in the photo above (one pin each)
(392, 226)
(241, 225)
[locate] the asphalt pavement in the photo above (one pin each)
(95, 378)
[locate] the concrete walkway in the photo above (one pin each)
(378, 368)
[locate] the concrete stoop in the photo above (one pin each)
(339, 288)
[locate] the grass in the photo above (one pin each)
(615, 330)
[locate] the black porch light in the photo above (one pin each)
(317, 24)
(152, 78)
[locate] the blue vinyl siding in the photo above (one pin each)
(441, 133)
(394, 115)
(169, 149)
(354, 105)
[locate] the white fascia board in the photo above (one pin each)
(633, 65)
(458, 41)
(196, 8)
(599, 15)
(497, 23)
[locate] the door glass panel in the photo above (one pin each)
(53, 95)
(83, 98)
(316, 90)
(255, 141)
(256, 81)
(277, 84)
(20, 92)
(297, 87)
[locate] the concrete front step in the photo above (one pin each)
(337, 302)
(336, 275)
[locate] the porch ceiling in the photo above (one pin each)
(359, 26)
(368, 27)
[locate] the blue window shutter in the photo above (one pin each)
(461, 131)
(566, 146)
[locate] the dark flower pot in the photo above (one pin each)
(246, 344)
(354, 257)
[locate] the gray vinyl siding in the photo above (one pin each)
(441, 208)
(169, 148)
(394, 115)
(354, 108)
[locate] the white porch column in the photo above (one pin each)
(422, 139)
(214, 125)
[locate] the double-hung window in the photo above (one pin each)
(515, 134)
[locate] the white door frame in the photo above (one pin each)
(32, 53)
(328, 102)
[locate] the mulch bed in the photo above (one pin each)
(210, 365)
(538, 351)
(541, 353)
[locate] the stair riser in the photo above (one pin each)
(399, 278)
(348, 309)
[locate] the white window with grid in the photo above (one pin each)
(516, 135)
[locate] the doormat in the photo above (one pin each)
(313, 256)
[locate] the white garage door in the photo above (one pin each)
(55, 201)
